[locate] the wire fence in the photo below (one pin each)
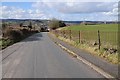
(100, 38)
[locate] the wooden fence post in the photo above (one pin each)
(79, 37)
(54, 31)
(57, 32)
(70, 34)
(99, 41)
(63, 33)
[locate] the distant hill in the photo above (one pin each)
(67, 22)
(92, 22)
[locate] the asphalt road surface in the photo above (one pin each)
(39, 57)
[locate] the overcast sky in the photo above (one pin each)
(70, 10)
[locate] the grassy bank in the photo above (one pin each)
(108, 33)
(89, 39)
(12, 36)
(112, 58)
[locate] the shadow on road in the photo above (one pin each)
(35, 37)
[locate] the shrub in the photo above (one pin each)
(30, 25)
(21, 24)
(14, 35)
(4, 25)
(36, 31)
(61, 24)
(25, 31)
(6, 42)
(54, 24)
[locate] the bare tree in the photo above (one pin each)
(54, 24)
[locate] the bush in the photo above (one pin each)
(25, 32)
(15, 35)
(61, 24)
(6, 42)
(36, 31)
(12, 35)
(54, 24)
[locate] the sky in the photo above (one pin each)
(67, 10)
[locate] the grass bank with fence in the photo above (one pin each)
(101, 40)
(14, 35)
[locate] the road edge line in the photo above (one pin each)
(96, 68)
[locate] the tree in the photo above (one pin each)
(30, 25)
(4, 25)
(54, 24)
(21, 24)
(61, 24)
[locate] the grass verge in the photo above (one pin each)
(14, 36)
(112, 58)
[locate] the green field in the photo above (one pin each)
(101, 27)
(89, 35)
(108, 32)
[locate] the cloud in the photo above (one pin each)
(114, 12)
(19, 13)
(63, 10)
(12, 12)
(85, 7)
(103, 9)
(60, 0)
(73, 7)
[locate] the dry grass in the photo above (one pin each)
(112, 58)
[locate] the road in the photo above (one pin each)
(39, 57)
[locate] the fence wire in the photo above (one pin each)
(107, 38)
